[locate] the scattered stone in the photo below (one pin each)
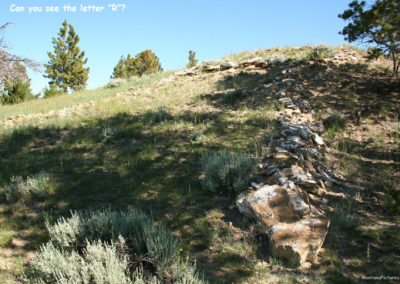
(255, 185)
(284, 159)
(278, 60)
(228, 65)
(211, 68)
(296, 230)
(286, 101)
(317, 139)
(288, 81)
(296, 139)
(253, 61)
(281, 92)
(316, 127)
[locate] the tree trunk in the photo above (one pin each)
(395, 65)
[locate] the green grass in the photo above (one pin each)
(60, 102)
(143, 152)
(130, 154)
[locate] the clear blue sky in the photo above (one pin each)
(212, 28)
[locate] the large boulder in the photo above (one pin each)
(271, 205)
(300, 241)
(294, 233)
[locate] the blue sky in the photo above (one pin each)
(212, 28)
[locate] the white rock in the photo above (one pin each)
(317, 139)
(228, 65)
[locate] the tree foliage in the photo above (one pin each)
(9, 71)
(378, 25)
(18, 89)
(145, 62)
(65, 68)
(192, 59)
(52, 91)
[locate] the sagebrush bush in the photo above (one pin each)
(115, 83)
(110, 247)
(99, 263)
(227, 171)
(320, 52)
(342, 218)
(37, 185)
(110, 133)
(334, 120)
(161, 114)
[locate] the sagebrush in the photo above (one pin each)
(110, 247)
(320, 52)
(38, 185)
(227, 171)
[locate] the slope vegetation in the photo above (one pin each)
(139, 145)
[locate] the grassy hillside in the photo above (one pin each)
(138, 146)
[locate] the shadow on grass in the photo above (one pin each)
(246, 89)
(347, 86)
(121, 162)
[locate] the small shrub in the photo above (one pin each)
(161, 114)
(6, 237)
(91, 237)
(199, 137)
(52, 91)
(192, 59)
(342, 218)
(19, 189)
(320, 52)
(16, 92)
(161, 245)
(336, 120)
(115, 83)
(230, 172)
(110, 133)
(233, 97)
(100, 263)
(392, 202)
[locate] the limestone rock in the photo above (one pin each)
(286, 101)
(284, 160)
(228, 65)
(278, 60)
(293, 233)
(300, 241)
(281, 92)
(211, 68)
(271, 205)
(317, 139)
(253, 61)
(316, 127)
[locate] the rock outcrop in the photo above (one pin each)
(295, 228)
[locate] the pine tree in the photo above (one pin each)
(378, 25)
(192, 59)
(65, 68)
(120, 69)
(145, 62)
